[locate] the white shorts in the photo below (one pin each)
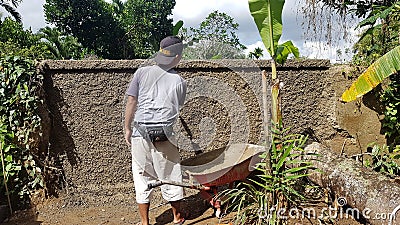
(160, 161)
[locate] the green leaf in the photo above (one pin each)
(8, 167)
(36, 182)
(375, 15)
(7, 149)
(9, 158)
(385, 66)
(294, 177)
(293, 191)
(284, 50)
(177, 27)
(267, 15)
(216, 57)
(260, 184)
(283, 158)
(296, 169)
(369, 31)
(289, 162)
(381, 12)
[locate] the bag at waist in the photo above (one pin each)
(154, 131)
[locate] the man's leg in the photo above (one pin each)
(166, 161)
(141, 176)
(144, 213)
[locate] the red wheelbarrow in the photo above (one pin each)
(208, 171)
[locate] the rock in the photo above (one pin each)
(362, 192)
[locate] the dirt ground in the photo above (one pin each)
(56, 212)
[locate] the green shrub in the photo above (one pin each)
(384, 160)
(391, 100)
(14, 40)
(19, 128)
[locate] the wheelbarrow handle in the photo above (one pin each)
(191, 186)
(154, 185)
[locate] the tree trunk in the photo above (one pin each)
(375, 196)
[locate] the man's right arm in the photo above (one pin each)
(129, 115)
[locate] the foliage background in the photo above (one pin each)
(20, 128)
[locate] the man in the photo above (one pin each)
(155, 96)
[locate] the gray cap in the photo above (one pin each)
(170, 47)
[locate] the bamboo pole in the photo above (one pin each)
(266, 121)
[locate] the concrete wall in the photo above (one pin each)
(85, 100)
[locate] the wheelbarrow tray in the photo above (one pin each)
(223, 166)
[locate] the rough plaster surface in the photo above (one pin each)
(358, 122)
(86, 102)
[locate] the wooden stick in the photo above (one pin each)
(265, 104)
(266, 121)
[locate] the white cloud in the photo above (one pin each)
(319, 50)
(193, 12)
(32, 14)
(189, 9)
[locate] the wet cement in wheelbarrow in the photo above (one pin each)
(222, 160)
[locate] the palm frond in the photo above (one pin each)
(12, 11)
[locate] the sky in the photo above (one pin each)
(193, 12)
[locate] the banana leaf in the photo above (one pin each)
(267, 15)
(177, 27)
(382, 68)
(284, 50)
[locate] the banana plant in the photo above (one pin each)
(267, 15)
(382, 68)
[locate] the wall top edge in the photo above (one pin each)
(47, 65)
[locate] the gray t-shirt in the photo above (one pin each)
(160, 94)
